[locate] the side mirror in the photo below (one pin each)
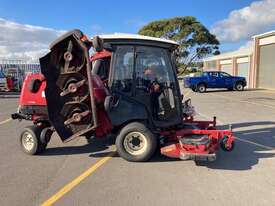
(108, 47)
(98, 43)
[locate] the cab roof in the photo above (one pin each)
(123, 38)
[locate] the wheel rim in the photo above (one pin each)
(135, 143)
(239, 87)
(28, 141)
(201, 88)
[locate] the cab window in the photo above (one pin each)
(214, 74)
(122, 77)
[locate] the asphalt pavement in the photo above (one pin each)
(78, 173)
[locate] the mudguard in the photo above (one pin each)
(69, 89)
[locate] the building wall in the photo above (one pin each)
(264, 61)
(235, 65)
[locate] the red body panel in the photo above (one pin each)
(100, 91)
(101, 55)
(28, 98)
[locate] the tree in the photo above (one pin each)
(194, 39)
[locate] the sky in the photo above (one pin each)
(27, 27)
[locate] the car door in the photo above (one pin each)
(227, 80)
(214, 80)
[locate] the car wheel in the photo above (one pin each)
(239, 86)
(194, 89)
(30, 140)
(136, 143)
(201, 88)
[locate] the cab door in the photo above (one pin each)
(156, 85)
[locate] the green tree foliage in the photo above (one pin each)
(194, 39)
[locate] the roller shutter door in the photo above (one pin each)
(266, 74)
(243, 70)
(227, 68)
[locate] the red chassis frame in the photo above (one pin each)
(176, 149)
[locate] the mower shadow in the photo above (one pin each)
(247, 154)
(94, 146)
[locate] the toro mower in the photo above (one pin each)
(128, 88)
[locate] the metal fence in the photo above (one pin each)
(18, 69)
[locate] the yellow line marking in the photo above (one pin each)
(254, 143)
(5, 121)
(76, 181)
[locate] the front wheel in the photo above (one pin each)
(239, 86)
(30, 140)
(136, 143)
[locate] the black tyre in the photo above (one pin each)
(136, 143)
(194, 89)
(45, 135)
(201, 88)
(226, 147)
(239, 86)
(30, 140)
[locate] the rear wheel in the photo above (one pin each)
(30, 140)
(201, 88)
(225, 146)
(193, 88)
(136, 143)
(239, 86)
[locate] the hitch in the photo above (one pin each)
(21, 116)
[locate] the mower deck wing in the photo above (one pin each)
(69, 90)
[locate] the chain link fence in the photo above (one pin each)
(16, 70)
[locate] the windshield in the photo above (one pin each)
(223, 74)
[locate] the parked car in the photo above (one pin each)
(214, 79)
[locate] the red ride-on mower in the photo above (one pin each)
(128, 88)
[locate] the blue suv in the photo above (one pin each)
(215, 79)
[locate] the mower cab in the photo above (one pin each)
(128, 87)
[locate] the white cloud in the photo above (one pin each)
(241, 24)
(25, 41)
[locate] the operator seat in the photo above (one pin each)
(101, 68)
